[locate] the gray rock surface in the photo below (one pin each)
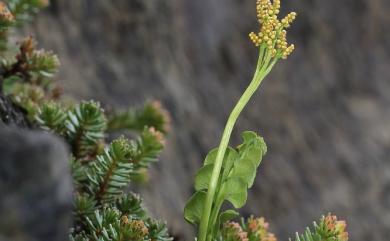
(35, 187)
(324, 113)
(11, 115)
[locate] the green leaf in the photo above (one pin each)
(248, 136)
(245, 170)
(231, 156)
(210, 158)
(252, 139)
(194, 207)
(228, 160)
(251, 153)
(235, 191)
(238, 199)
(203, 177)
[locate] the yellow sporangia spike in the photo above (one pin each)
(273, 35)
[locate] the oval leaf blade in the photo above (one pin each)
(235, 191)
(210, 158)
(194, 207)
(202, 178)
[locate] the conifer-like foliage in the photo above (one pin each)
(102, 172)
(328, 229)
(257, 229)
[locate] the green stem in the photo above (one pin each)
(261, 72)
(214, 216)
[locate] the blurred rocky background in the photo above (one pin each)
(324, 113)
(35, 184)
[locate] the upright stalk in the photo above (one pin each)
(262, 70)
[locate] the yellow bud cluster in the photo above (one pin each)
(272, 33)
(288, 51)
(286, 21)
(281, 42)
(262, 7)
(255, 39)
(276, 6)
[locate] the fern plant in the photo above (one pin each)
(228, 172)
(102, 170)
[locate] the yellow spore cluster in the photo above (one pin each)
(273, 32)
